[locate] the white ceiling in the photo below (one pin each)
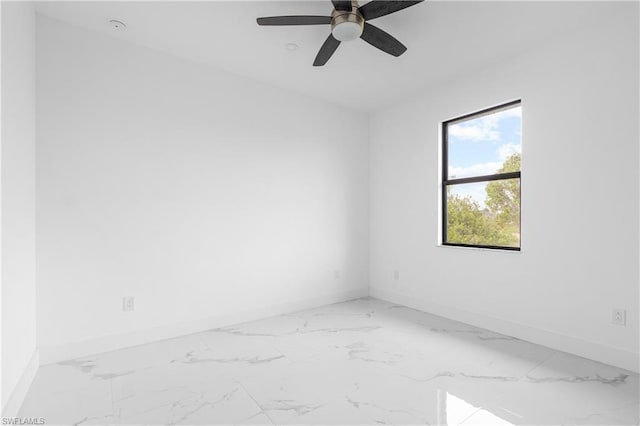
(444, 39)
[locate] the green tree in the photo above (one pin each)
(467, 223)
(503, 200)
(497, 224)
(503, 196)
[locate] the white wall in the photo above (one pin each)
(18, 201)
(579, 255)
(204, 195)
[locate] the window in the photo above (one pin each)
(481, 178)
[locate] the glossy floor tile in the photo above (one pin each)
(358, 362)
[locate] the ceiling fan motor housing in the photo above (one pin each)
(347, 25)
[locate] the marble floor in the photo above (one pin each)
(360, 362)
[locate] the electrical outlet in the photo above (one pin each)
(396, 275)
(128, 304)
(619, 316)
(336, 274)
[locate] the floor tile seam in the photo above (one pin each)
(255, 401)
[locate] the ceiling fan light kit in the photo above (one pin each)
(349, 22)
(347, 26)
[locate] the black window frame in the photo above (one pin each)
(446, 182)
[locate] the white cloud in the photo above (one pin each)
(489, 168)
(474, 132)
(483, 128)
(511, 112)
(508, 149)
(475, 169)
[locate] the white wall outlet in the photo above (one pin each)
(396, 275)
(336, 274)
(619, 316)
(128, 304)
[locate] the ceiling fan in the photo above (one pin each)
(348, 22)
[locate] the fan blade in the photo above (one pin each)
(294, 20)
(328, 47)
(342, 4)
(383, 41)
(377, 8)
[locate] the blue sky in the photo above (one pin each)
(479, 147)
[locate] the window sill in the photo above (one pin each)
(501, 250)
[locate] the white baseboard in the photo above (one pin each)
(64, 352)
(596, 351)
(12, 407)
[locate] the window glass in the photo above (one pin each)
(481, 178)
(479, 146)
